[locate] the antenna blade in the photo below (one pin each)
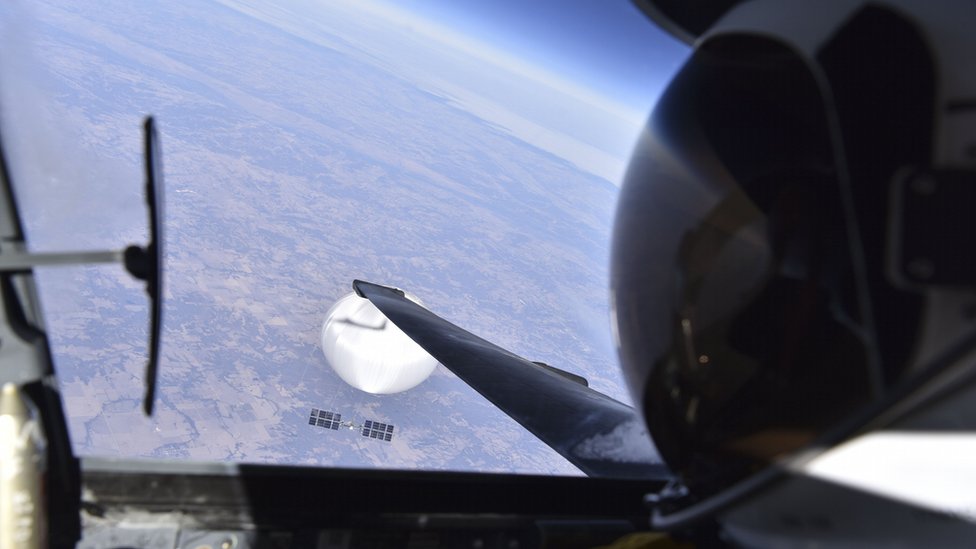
(597, 434)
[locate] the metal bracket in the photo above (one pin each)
(932, 229)
(14, 261)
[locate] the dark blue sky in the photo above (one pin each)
(607, 45)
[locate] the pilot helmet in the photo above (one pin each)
(792, 253)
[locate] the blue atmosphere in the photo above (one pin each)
(609, 46)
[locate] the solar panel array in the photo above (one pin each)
(326, 420)
(377, 430)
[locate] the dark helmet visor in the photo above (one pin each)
(733, 285)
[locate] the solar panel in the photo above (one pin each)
(377, 430)
(333, 420)
(326, 420)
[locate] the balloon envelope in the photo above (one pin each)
(369, 352)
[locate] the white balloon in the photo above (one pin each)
(369, 352)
